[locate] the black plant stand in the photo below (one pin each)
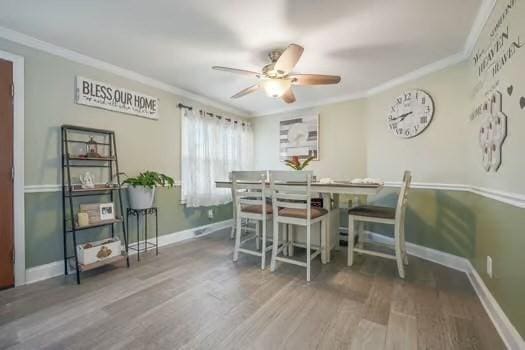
(144, 212)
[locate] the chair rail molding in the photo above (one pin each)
(514, 199)
(58, 187)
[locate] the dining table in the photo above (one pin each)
(331, 192)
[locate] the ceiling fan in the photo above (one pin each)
(276, 78)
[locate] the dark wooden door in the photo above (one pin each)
(7, 277)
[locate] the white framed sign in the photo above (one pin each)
(102, 95)
(299, 137)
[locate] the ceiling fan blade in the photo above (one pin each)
(246, 91)
(288, 96)
(288, 59)
(314, 79)
(237, 71)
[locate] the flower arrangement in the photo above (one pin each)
(296, 164)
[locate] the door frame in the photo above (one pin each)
(18, 157)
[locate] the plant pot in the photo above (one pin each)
(141, 197)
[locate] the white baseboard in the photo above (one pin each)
(506, 330)
(56, 268)
(43, 272)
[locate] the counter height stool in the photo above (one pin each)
(248, 189)
(385, 215)
(291, 201)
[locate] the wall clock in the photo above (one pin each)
(411, 113)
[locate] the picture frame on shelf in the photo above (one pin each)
(107, 211)
(93, 211)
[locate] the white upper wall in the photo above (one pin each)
(342, 140)
(355, 140)
(437, 155)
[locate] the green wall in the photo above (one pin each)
(49, 86)
(44, 222)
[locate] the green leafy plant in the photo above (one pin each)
(296, 164)
(149, 179)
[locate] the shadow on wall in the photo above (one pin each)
(439, 220)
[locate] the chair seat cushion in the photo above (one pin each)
(257, 209)
(373, 211)
(301, 213)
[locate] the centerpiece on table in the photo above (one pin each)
(295, 162)
(141, 189)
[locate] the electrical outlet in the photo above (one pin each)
(489, 266)
(211, 213)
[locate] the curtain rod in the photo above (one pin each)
(180, 105)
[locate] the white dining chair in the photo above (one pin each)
(385, 215)
(291, 201)
(250, 203)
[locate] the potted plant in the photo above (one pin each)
(296, 164)
(141, 189)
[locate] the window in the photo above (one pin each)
(211, 148)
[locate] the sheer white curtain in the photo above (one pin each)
(211, 149)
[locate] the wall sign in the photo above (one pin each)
(102, 95)
(299, 137)
(492, 133)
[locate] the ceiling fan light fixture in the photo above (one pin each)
(276, 87)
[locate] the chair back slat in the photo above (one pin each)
(250, 193)
(402, 200)
(291, 205)
(248, 187)
(250, 201)
(293, 196)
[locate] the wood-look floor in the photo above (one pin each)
(192, 296)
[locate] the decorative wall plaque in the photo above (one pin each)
(492, 133)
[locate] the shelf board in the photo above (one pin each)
(98, 224)
(91, 191)
(100, 159)
(101, 263)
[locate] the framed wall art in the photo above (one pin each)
(299, 137)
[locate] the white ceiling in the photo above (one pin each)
(175, 41)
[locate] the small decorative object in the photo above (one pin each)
(299, 137)
(89, 253)
(367, 181)
(326, 181)
(104, 252)
(83, 219)
(492, 133)
(141, 189)
(107, 211)
(87, 181)
(522, 102)
(296, 164)
(93, 211)
(92, 148)
(411, 113)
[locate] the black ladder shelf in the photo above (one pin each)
(72, 191)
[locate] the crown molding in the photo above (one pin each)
(481, 19)
(418, 73)
(74, 56)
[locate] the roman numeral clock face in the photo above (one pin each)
(410, 114)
